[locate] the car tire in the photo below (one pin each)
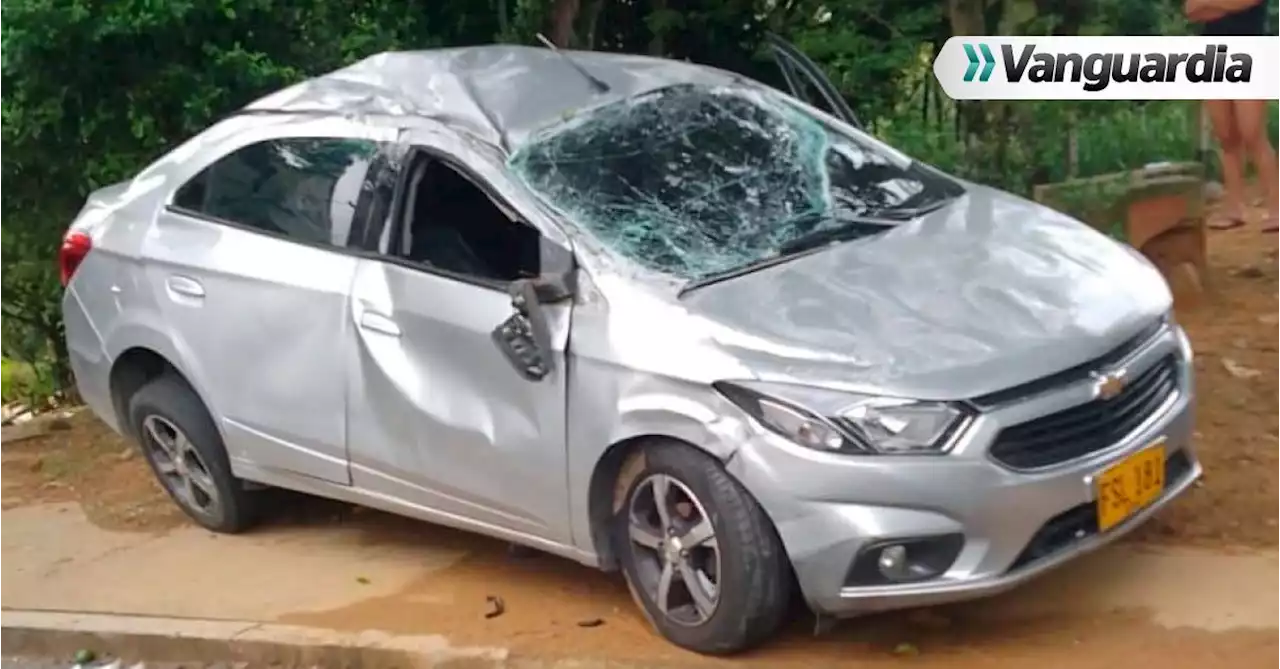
(185, 451)
(742, 571)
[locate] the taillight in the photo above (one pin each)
(75, 246)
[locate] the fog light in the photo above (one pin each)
(893, 562)
(904, 560)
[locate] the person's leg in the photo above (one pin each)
(1231, 152)
(1251, 121)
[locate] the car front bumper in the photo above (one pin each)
(829, 508)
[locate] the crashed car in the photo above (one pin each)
(646, 315)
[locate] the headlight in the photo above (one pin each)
(837, 421)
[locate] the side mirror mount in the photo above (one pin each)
(525, 337)
(556, 282)
(549, 288)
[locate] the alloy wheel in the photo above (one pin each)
(182, 470)
(677, 555)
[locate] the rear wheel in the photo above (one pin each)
(700, 557)
(186, 453)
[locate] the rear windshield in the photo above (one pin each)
(693, 181)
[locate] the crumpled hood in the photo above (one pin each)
(985, 294)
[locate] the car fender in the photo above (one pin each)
(134, 332)
(700, 422)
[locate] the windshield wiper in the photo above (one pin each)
(847, 230)
(717, 277)
(909, 213)
(796, 248)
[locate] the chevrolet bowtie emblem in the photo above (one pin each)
(1107, 385)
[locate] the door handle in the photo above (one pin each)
(185, 285)
(376, 322)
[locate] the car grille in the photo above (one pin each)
(1089, 427)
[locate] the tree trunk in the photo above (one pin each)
(504, 21)
(657, 45)
(1073, 145)
(563, 15)
(968, 17)
(590, 19)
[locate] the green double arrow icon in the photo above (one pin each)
(987, 57)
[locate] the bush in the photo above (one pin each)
(1032, 147)
(25, 383)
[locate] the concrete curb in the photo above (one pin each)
(61, 634)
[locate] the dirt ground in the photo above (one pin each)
(553, 605)
(1234, 334)
(81, 460)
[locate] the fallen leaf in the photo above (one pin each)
(593, 622)
(362, 580)
(1238, 370)
(906, 649)
(496, 607)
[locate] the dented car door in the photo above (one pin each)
(443, 414)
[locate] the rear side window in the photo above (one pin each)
(306, 189)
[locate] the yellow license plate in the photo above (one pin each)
(1130, 485)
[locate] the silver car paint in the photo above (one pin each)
(977, 297)
(346, 376)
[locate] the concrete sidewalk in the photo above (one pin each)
(55, 559)
(401, 582)
(190, 595)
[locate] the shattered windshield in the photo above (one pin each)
(695, 181)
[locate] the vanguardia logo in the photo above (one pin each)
(1216, 64)
(988, 62)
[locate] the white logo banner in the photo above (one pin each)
(1110, 68)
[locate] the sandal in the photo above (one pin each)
(1226, 222)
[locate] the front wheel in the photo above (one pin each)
(699, 555)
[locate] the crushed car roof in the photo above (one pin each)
(500, 93)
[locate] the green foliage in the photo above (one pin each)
(26, 383)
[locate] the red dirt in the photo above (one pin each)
(86, 462)
(1235, 328)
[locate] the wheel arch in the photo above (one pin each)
(133, 369)
(604, 479)
(138, 353)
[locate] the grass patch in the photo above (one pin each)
(21, 381)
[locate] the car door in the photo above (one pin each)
(807, 81)
(439, 417)
(249, 266)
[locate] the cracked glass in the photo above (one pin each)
(695, 181)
